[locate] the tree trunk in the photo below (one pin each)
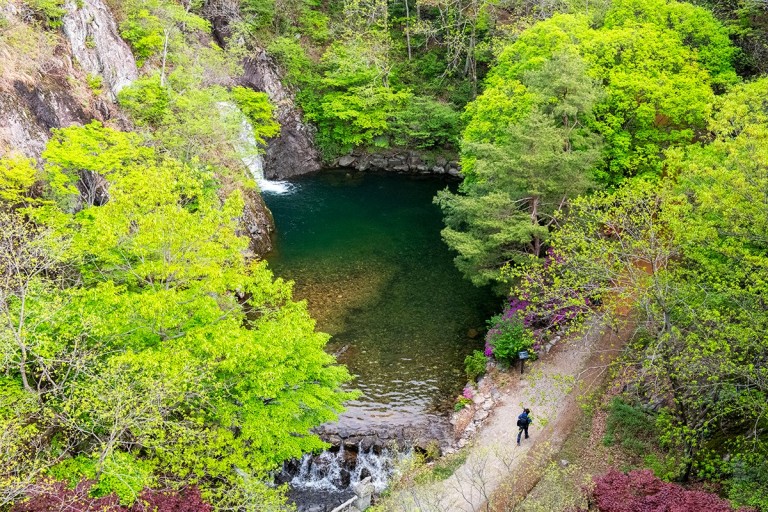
(408, 29)
(535, 223)
(165, 56)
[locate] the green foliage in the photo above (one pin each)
(257, 108)
(146, 100)
(749, 485)
(691, 255)
(474, 365)
(461, 403)
(95, 83)
(355, 117)
(666, 466)
(144, 32)
(154, 27)
(517, 179)
(508, 336)
(258, 13)
(315, 25)
(200, 124)
(425, 123)
(560, 488)
(443, 468)
(355, 102)
(121, 473)
(299, 68)
(629, 426)
(17, 175)
(50, 12)
(432, 450)
(745, 21)
(92, 148)
(192, 362)
(658, 61)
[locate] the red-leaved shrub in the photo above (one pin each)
(641, 491)
(57, 496)
(188, 500)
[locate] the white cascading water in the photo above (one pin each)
(326, 471)
(252, 157)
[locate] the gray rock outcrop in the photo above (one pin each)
(29, 109)
(293, 151)
(420, 435)
(402, 161)
(51, 91)
(221, 14)
(257, 223)
(97, 46)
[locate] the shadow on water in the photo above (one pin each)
(365, 252)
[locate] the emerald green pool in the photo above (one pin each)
(365, 251)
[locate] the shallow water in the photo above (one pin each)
(365, 252)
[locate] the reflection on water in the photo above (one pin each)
(365, 252)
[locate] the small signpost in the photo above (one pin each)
(523, 355)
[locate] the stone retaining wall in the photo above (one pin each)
(401, 161)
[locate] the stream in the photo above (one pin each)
(365, 252)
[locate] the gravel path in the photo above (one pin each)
(548, 389)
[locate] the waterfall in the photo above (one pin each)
(338, 471)
(252, 155)
(254, 161)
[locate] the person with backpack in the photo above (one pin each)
(523, 422)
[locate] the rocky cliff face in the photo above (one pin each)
(95, 43)
(257, 223)
(30, 109)
(292, 152)
(72, 77)
(52, 90)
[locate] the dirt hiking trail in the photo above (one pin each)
(496, 468)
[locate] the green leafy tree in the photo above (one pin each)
(149, 346)
(157, 29)
(690, 256)
(49, 12)
(660, 63)
(357, 100)
(516, 183)
(425, 124)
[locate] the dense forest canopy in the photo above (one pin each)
(139, 346)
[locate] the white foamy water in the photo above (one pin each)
(251, 154)
(254, 161)
(330, 471)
